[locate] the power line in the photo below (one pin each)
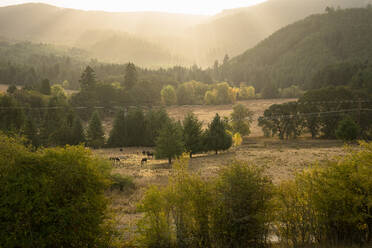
(273, 117)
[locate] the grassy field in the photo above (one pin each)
(280, 159)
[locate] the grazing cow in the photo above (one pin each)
(143, 152)
(144, 160)
(115, 159)
(150, 154)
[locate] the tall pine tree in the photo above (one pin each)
(217, 138)
(95, 135)
(169, 144)
(88, 79)
(130, 78)
(192, 134)
(77, 132)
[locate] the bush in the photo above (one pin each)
(122, 183)
(168, 95)
(329, 205)
(231, 211)
(52, 198)
(347, 129)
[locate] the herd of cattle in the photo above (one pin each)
(143, 161)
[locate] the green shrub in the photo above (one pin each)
(347, 129)
(231, 211)
(122, 183)
(329, 205)
(52, 198)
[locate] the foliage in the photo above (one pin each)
(77, 132)
(246, 92)
(192, 134)
(95, 134)
(237, 139)
(282, 120)
(230, 211)
(241, 213)
(241, 119)
(122, 183)
(347, 129)
(168, 95)
(45, 87)
(216, 136)
(11, 116)
(169, 143)
(297, 53)
(130, 78)
(52, 198)
(328, 205)
(88, 79)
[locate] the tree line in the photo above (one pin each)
(333, 112)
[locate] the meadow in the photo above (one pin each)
(281, 159)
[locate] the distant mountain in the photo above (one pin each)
(158, 39)
(236, 30)
(294, 54)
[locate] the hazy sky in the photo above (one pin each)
(208, 7)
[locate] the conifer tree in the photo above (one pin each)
(192, 134)
(88, 79)
(216, 136)
(45, 87)
(95, 133)
(169, 144)
(130, 78)
(77, 132)
(30, 132)
(118, 134)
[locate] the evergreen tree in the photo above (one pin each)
(45, 87)
(130, 78)
(88, 79)
(169, 144)
(77, 132)
(11, 117)
(118, 134)
(216, 136)
(192, 134)
(95, 135)
(30, 132)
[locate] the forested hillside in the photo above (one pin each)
(298, 53)
(159, 39)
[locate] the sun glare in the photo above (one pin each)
(206, 7)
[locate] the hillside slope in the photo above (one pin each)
(293, 55)
(234, 31)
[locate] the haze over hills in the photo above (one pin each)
(296, 53)
(158, 39)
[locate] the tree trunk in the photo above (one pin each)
(169, 160)
(216, 152)
(190, 154)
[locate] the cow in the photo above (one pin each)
(115, 159)
(150, 154)
(143, 152)
(144, 160)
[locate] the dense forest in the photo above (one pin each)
(294, 55)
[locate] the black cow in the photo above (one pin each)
(144, 160)
(150, 154)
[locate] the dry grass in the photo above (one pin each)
(280, 159)
(206, 113)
